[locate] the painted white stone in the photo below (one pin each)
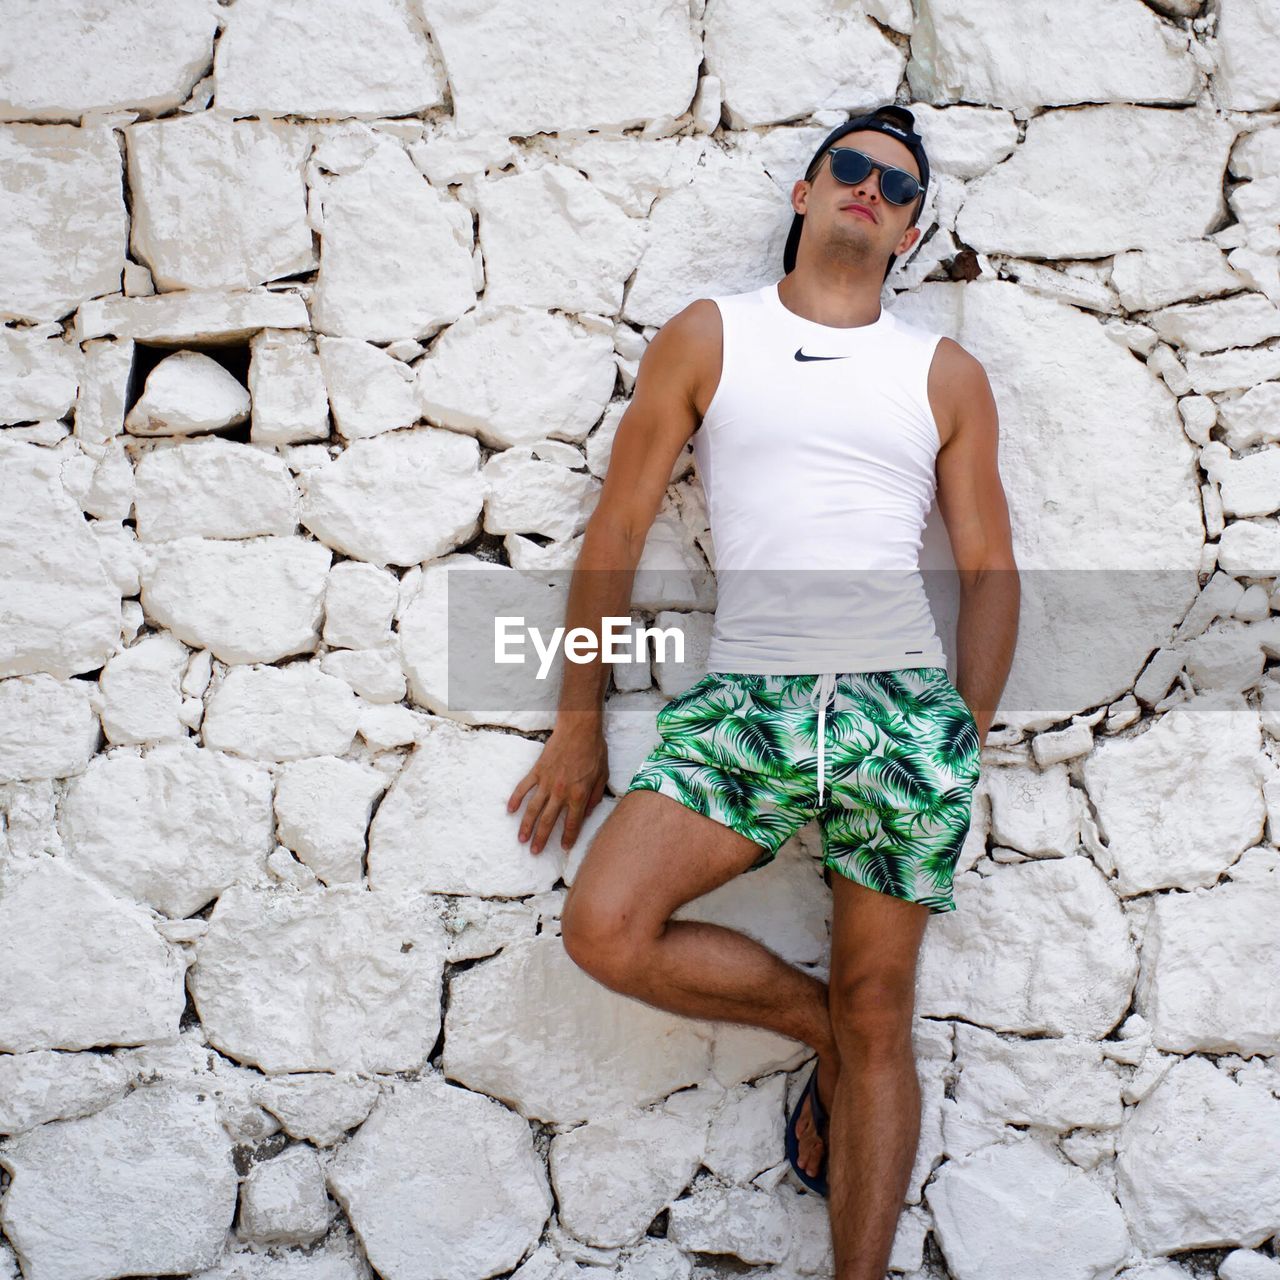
(964, 141)
(374, 674)
(336, 979)
(973, 53)
(1236, 369)
(372, 208)
(63, 229)
(281, 713)
(1019, 1209)
(283, 1200)
(39, 374)
(447, 154)
(1149, 795)
(213, 488)
(135, 55)
(337, 1257)
(1242, 1264)
(717, 233)
(188, 393)
(790, 60)
(745, 1222)
(82, 968)
(1248, 486)
(187, 1062)
(535, 253)
(1239, 321)
(1058, 381)
(322, 809)
(1032, 810)
(30, 819)
(425, 1206)
(1248, 548)
(582, 1050)
(252, 601)
(109, 492)
(399, 498)
(145, 1186)
(386, 727)
(44, 1085)
(286, 383)
(1251, 418)
(747, 1130)
(369, 391)
(1211, 998)
(450, 598)
(171, 828)
(1056, 1083)
(1256, 237)
(218, 203)
(359, 603)
(50, 728)
(444, 827)
(318, 1107)
(1063, 744)
(318, 58)
(486, 375)
(784, 905)
(526, 495)
(614, 1175)
(1247, 43)
(121, 556)
(644, 62)
(1009, 958)
(1146, 279)
(1144, 176)
(191, 316)
(631, 169)
(61, 611)
(1228, 658)
(1198, 1163)
(199, 673)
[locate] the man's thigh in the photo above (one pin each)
(875, 943)
(651, 855)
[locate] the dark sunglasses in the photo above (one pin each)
(851, 167)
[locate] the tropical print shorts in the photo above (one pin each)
(898, 752)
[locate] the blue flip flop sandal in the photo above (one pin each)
(818, 1181)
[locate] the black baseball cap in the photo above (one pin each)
(893, 120)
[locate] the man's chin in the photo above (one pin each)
(851, 251)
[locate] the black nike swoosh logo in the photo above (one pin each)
(800, 355)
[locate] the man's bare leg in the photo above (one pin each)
(875, 1111)
(651, 856)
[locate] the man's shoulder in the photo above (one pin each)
(949, 356)
(698, 323)
(956, 363)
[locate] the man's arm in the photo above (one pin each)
(972, 502)
(672, 381)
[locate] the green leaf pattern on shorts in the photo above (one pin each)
(900, 766)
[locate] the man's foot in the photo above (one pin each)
(811, 1145)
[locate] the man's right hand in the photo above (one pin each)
(568, 776)
(676, 378)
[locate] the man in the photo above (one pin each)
(824, 427)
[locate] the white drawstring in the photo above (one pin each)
(823, 689)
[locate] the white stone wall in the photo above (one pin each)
(281, 995)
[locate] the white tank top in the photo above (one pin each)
(817, 456)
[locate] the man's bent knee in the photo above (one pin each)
(873, 1015)
(597, 937)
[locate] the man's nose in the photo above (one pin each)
(870, 185)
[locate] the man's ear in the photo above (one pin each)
(909, 238)
(799, 191)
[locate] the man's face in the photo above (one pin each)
(855, 223)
